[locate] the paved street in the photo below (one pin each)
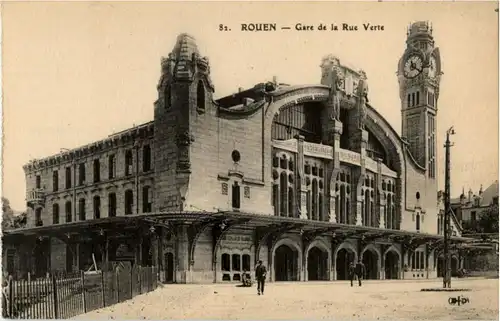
(376, 300)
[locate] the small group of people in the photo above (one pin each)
(356, 270)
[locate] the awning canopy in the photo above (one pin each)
(243, 220)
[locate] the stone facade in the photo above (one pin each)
(319, 154)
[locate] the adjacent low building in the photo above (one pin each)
(306, 178)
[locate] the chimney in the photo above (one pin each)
(240, 89)
(275, 80)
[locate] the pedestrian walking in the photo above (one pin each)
(260, 275)
(360, 271)
(352, 272)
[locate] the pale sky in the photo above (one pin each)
(74, 73)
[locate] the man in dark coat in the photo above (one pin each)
(352, 272)
(260, 276)
(360, 271)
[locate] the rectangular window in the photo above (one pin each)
(97, 207)
(69, 216)
(473, 216)
(97, 171)
(129, 163)
(146, 200)
(81, 209)
(68, 177)
(38, 181)
(55, 214)
(111, 167)
(38, 217)
(55, 181)
(146, 158)
(81, 174)
(236, 196)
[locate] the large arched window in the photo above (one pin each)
(343, 191)
(303, 119)
(284, 195)
(129, 202)
(200, 96)
(55, 214)
(389, 188)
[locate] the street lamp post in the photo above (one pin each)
(447, 213)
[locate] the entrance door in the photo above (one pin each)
(370, 260)
(285, 262)
(344, 258)
(317, 265)
(391, 265)
(169, 267)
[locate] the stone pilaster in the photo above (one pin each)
(380, 195)
(360, 140)
(334, 133)
(301, 181)
(182, 264)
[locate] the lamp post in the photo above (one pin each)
(447, 212)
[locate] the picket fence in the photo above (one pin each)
(69, 295)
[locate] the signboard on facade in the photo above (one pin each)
(350, 157)
(237, 238)
(318, 150)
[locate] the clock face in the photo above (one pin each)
(413, 66)
(432, 67)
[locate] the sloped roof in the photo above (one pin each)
(489, 193)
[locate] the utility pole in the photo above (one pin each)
(447, 212)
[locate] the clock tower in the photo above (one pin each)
(419, 72)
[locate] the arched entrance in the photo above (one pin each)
(317, 264)
(391, 265)
(370, 260)
(169, 267)
(344, 257)
(286, 263)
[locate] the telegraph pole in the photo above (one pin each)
(447, 212)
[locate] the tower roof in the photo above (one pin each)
(420, 27)
(184, 47)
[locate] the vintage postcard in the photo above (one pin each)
(250, 160)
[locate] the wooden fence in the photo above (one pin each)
(68, 295)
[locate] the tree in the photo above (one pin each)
(9, 219)
(488, 220)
